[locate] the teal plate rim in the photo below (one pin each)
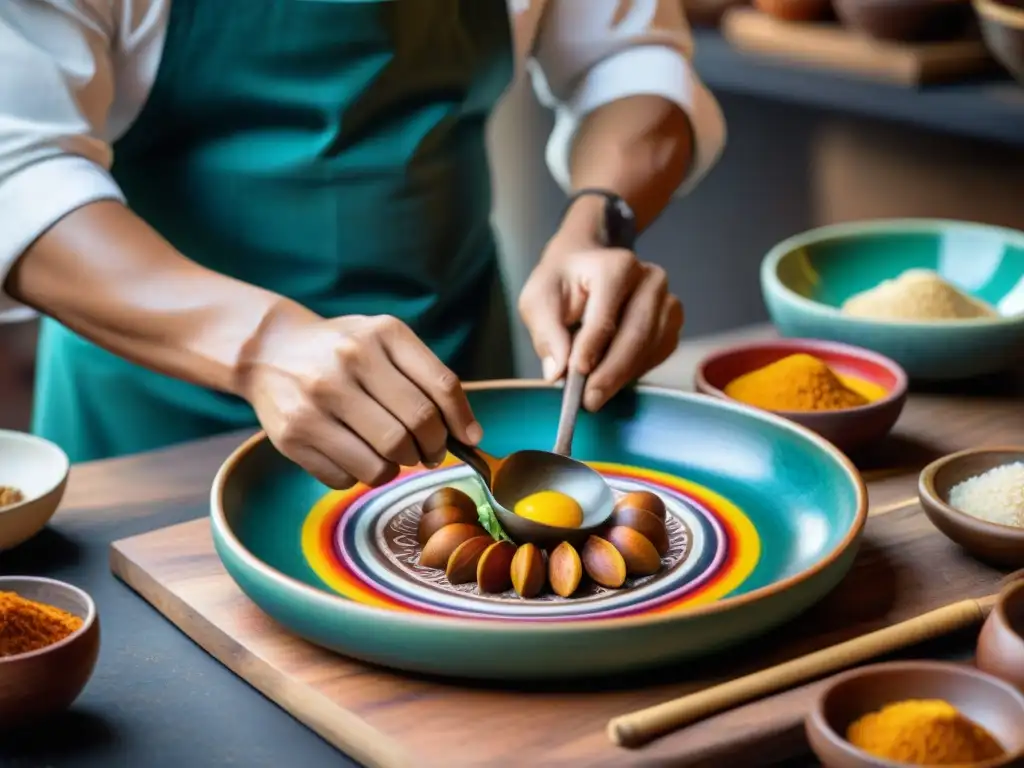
(770, 278)
(218, 520)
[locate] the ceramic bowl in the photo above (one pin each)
(995, 705)
(906, 20)
(765, 519)
(848, 428)
(796, 10)
(45, 682)
(1001, 545)
(1002, 27)
(39, 469)
(806, 279)
(1001, 642)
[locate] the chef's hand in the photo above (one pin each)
(353, 398)
(630, 322)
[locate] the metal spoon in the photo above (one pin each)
(508, 480)
(618, 231)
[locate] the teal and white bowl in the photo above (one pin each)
(806, 279)
(765, 518)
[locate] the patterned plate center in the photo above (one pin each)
(363, 544)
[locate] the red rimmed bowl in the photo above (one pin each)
(847, 428)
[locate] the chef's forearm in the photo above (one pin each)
(640, 147)
(107, 275)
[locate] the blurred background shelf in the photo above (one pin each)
(990, 108)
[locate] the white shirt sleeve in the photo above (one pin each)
(62, 104)
(588, 53)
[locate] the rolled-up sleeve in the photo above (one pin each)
(53, 107)
(589, 53)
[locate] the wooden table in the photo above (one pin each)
(158, 700)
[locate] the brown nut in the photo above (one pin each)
(645, 523)
(640, 556)
(603, 562)
(462, 562)
(645, 500)
(528, 571)
(493, 569)
(564, 569)
(433, 521)
(450, 497)
(440, 546)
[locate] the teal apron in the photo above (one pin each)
(329, 150)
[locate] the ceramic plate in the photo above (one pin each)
(763, 517)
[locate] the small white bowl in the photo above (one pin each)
(37, 468)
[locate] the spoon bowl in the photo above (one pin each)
(510, 479)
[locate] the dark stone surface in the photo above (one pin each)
(156, 699)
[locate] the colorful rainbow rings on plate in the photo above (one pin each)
(361, 544)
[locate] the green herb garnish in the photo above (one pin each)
(489, 521)
(473, 488)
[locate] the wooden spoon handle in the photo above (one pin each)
(642, 726)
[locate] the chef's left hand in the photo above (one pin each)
(629, 320)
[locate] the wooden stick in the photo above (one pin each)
(637, 728)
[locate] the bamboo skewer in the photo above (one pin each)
(638, 728)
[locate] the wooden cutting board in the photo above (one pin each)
(830, 46)
(382, 719)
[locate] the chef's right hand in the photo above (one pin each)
(353, 398)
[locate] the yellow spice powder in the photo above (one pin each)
(923, 732)
(798, 382)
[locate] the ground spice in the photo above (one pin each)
(10, 495)
(923, 732)
(796, 383)
(917, 294)
(26, 625)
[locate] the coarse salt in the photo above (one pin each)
(996, 495)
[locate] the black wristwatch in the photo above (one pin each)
(619, 224)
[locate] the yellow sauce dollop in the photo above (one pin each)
(550, 508)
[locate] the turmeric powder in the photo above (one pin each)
(923, 732)
(26, 625)
(798, 382)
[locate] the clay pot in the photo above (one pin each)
(796, 10)
(1001, 642)
(1002, 27)
(707, 13)
(906, 20)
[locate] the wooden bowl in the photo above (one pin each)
(47, 681)
(992, 703)
(906, 20)
(39, 469)
(1001, 545)
(1002, 27)
(1001, 642)
(848, 428)
(796, 10)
